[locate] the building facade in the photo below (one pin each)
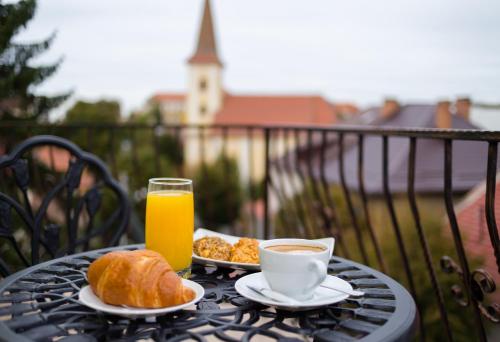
(207, 102)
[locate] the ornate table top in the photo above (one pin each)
(41, 303)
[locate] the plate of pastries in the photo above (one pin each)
(222, 250)
(136, 284)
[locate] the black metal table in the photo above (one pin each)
(41, 303)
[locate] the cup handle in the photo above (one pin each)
(320, 271)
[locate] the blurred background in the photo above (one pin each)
(268, 106)
(359, 51)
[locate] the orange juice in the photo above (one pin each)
(169, 226)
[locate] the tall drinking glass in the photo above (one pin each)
(170, 221)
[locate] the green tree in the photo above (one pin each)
(149, 151)
(103, 111)
(152, 115)
(148, 141)
(18, 76)
(134, 155)
(218, 192)
(96, 140)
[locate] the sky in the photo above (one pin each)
(360, 50)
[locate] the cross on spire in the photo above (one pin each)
(206, 50)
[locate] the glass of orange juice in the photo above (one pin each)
(170, 221)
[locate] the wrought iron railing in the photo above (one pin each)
(317, 181)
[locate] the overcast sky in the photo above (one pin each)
(358, 50)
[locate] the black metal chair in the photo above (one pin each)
(28, 199)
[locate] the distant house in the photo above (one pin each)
(206, 101)
(471, 220)
(171, 105)
(469, 157)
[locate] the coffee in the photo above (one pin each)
(294, 267)
(295, 249)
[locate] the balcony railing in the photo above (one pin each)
(392, 198)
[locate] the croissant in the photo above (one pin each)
(140, 278)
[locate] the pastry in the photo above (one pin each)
(213, 248)
(246, 250)
(140, 278)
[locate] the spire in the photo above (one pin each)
(206, 50)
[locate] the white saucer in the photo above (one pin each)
(321, 297)
(88, 298)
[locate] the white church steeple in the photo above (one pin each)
(205, 92)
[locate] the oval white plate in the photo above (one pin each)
(201, 233)
(322, 296)
(88, 298)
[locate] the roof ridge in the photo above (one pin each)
(170, 93)
(303, 96)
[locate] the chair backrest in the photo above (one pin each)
(60, 208)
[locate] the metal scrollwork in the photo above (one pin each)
(52, 236)
(5, 219)
(43, 229)
(481, 283)
(93, 201)
(448, 265)
(493, 312)
(21, 173)
(74, 174)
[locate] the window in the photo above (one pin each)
(203, 84)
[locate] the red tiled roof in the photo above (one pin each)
(245, 110)
(159, 97)
(472, 222)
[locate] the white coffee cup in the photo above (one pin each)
(295, 274)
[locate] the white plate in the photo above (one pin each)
(321, 297)
(88, 298)
(201, 233)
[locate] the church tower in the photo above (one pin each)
(205, 93)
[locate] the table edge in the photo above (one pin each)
(400, 332)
